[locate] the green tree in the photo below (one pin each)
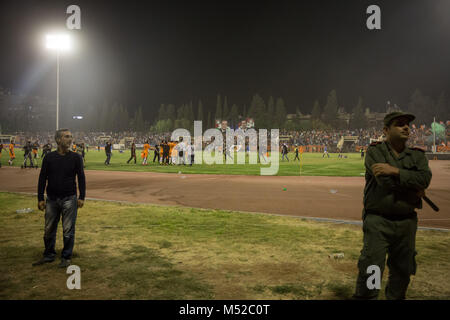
(171, 114)
(257, 111)
(162, 114)
(280, 113)
(331, 108)
(191, 115)
(359, 119)
(200, 111)
(218, 114)
(208, 123)
(139, 120)
(180, 112)
(271, 113)
(316, 112)
(234, 115)
(225, 111)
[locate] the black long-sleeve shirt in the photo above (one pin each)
(59, 171)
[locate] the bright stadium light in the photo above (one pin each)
(59, 43)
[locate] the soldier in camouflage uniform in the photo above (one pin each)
(396, 179)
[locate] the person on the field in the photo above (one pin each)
(58, 172)
(181, 149)
(133, 153)
(161, 152)
(46, 149)
(362, 153)
(156, 153)
(108, 151)
(12, 155)
(396, 179)
(145, 153)
(27, 154)
(325, 152)
(35, 147)
(82, 149)
(172, 154)
(284, 152)
(166, 153)
(296, 154)
(191, 154)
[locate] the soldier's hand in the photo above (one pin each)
(41, 205)
(384, 169)
(80, 203)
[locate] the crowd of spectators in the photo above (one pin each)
(420, 136)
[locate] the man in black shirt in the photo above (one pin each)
(58, 172)
(296, 154)
(108, 152)
(156, 153)
(133, 153)
(46, 149)
(27, 155)
(166, 150)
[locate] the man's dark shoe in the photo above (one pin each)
(42, 261)
(64, 263)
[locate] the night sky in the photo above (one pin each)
(152, 52)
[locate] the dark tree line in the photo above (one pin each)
(37, 114)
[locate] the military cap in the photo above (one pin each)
(394, 115)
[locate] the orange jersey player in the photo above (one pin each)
(171, 155)
(12, 155)
(145, 152)
(35, 149)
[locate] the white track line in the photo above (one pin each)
(336, 221)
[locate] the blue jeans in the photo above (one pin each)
(108, 158)
(55, 208)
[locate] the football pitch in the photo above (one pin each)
(311, 164)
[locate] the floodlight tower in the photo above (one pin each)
(59, 43)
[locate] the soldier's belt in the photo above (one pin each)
(394, 217)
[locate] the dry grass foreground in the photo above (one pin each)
(128, 251)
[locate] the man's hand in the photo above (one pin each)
(80, 203)
(421, 193)
(384, 169)
(41, 205)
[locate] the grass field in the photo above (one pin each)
(130, 251)
(312, 165)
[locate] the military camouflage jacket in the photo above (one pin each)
(395, 195)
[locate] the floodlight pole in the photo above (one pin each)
(434, 135)
(57, 89)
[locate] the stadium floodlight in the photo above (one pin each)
(58, 42)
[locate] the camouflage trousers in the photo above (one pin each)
(396, 239)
